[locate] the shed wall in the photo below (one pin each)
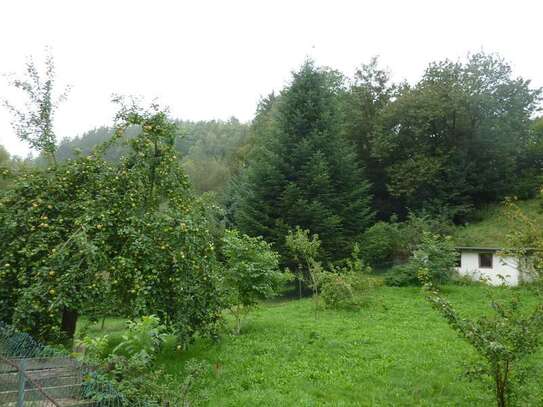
(507, 267)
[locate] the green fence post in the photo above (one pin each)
(22, 380)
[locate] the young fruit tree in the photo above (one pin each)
(251, 272)
(514, 331)
(305, 249)
(505, 340)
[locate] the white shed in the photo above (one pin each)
(485, 263)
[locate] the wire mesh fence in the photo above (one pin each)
(32, 374)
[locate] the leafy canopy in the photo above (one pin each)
(128, 235)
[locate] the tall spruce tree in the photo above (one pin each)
(302, 170)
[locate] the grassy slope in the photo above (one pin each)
(395, 351)
(494, 225)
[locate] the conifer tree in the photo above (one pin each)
(302, 171)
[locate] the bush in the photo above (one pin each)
(414, 228)
(342, 286)
(143, 336)
(435, 253)
(251, 272)
(337, 291)
(128, 366)
(402, 275)
(379, 244)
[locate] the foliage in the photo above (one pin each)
(429, 145)
(302, 171)
(251, 272)
(337, 291)
(127, 371)
(402, 275)
(304, 250)
(302, 246)
(369, 94)
(425, 146)
(505, 339)
(212, 152)
(381, 243)
(130, 236)
(342, 286)
(438, 255)
(142, 339)
(7, 167)
(435, 253)
(34, 122)
(216, 152)
(143, 335)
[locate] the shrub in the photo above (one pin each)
(251, 272)
(143, 336)
(342, 286)
(379, 244)
(128, 367)
(337, 291)
(304, 249)
(437, 254)
(413, 229)
(402, 275)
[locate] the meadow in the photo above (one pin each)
(395, 350)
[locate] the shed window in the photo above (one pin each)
(485, 260)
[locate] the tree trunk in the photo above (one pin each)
(500, 378)
(69, 322)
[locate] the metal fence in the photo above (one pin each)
(34, 375)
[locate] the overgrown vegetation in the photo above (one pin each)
(334, 178)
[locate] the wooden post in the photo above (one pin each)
(22, 382)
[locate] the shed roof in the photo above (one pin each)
(489, 249)
(478, 249)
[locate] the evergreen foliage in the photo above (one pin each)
(303, 172)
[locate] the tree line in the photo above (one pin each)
(334, 154)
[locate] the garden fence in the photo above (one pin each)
(34, 375)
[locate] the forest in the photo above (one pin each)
(180, 255)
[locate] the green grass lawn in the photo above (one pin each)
(494, 225)
(394, 351)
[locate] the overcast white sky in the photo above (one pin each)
(214, 59)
